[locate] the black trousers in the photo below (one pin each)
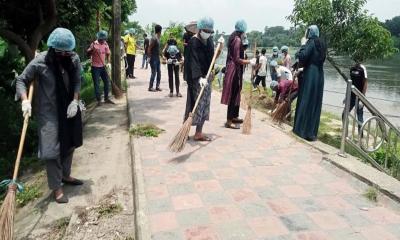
(131, 64)
(173, 69)
(233, 109)
(260, 79)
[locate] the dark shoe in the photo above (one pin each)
(231, 125)
(237, 120)
(203, 139)
(171, 95)
(61, 198)
(179, 95)
(158, 89)
(109, 101)
(134, 77)
(99, 103)
(152, 90)
(74, 182)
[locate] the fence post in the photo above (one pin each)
(345, 119)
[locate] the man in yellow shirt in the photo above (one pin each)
(130, 48)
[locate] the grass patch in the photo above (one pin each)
(371, 194)
(30, 193)
(109, 209)
(62, 224)
(145, 130)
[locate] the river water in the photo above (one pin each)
(383, 86)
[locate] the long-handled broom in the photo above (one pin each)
(247, 118)
(282, 109)
(7, 210)
(178, 142)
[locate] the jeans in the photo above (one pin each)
(155, 70)
(97, 73)
(131, 64)
(144, 60)
(173, 69)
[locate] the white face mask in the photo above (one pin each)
(204, 35)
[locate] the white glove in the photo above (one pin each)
(203, 82)
(169, 61)
(303, 41)
(177, 63)
(360, 105)
(108, 66)
(72, 108)
(26, 108)
(253, 62)
(221, 40)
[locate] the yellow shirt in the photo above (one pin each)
(130, 43)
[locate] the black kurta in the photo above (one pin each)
(198, 59)
(309, 102)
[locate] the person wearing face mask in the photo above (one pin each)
(234, 74)
(273, 57)
(100, 52)
(199, 54)
(57, 74)
(311, 56)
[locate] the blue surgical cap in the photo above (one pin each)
(206, 23)
(102, 35)
(241, 26)
(274, 85)
(173, 50)
(61, 39)
(285, 49)
(313, 31)
(275, 49)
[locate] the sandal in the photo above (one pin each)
(61, 198)
(203, 139)
(74, 182)
(232, 126)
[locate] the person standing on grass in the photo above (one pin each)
(154, 53)
(359, 78)
(145, 47)
(58, 110)
(100, 52)
(287, 60)
(233, 79)
(199, 54)
(174, 59)
(130, 44)
(261, 70)
(311, 56)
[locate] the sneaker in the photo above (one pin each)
(158, 89)
(152, 90)
(171, 95)
(179, 95)
(108, 101)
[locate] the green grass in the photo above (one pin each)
(371, 194)
(30, 193)
(145, 130)
(109, 209)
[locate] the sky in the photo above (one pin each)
(257, 13)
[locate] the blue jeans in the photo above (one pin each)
(97, 73)
(144, 60)
(155, 70)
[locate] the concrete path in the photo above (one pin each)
(268, 185)
(104, 163)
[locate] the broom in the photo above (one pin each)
(8, 208)
(114, 88)
(281, 111)
(247, 118)
(178, 142)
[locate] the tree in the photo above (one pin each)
(347, 29)
(393, 26)
(175, 30)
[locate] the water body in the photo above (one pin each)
(383, 86)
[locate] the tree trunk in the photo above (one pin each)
(116, 42)
(332, 61)
(98, 20)
(22, 45)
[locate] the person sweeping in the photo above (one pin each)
(234, 75)
(58, 108)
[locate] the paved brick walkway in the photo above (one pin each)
(264, 186)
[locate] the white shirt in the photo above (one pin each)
(284, 72)
(263, 69)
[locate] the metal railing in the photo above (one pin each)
(375, 139)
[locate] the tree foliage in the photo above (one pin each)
(348, 29)
(176, 31)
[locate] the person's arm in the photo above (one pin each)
(76, 80)
(108, 54)
(364, 91)
(24, 80)
(236, 53)
(305, 52)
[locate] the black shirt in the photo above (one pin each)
(155, 51)
(198, 59)
(146, 44)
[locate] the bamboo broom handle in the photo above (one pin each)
(207, 76)
(23, 134)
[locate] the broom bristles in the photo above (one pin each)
(7, 215)
(280, 112)
(178, 143)
(247, 122)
